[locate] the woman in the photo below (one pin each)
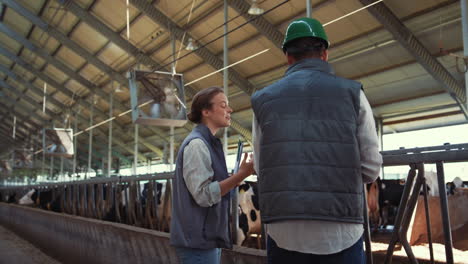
(200, 208)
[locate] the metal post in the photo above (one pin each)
(367, 234)
(90, 149)
(401, 210)
(43, 153)
(171, 150)
(234, 197)
(309, 8)
(61, 168)
(445, 212)
(225, 71)
(464, 15)
(51, 169)
(380, 135)
(75, 147)
(109, 147)
(171, 140)
(135, 154)
(408, 212)
(428, 222)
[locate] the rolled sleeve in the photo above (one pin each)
(371, 159)
(198, 174)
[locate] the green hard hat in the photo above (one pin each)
(305, 27)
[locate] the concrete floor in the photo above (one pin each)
(15, 250)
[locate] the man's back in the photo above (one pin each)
(309, 163)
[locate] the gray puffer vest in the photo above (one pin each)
(194, 226)
(310, 165)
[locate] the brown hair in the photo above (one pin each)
(201, 101)
(308, 47)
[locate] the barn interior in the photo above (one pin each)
(76, 110)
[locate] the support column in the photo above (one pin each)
(90, 148)
(171, 131)
(51, 169)
(309, 8)
(75, 141)
(135, 154)
(234, 197)
(171, 149)
(61, 169)
(43, 153)
(225, 71)
(380, 135)
(109, 147)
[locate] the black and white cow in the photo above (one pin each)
(249, 213)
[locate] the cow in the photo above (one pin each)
(249, 214)
(451, 187)
(373, 207)
(383, 200)
(155, 205)
(29, 198)
(49, 199)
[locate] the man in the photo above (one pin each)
(315, 145)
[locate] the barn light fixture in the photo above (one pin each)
(190, 45)
(254, 9)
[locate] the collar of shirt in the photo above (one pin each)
(204, 130)
(311, 64)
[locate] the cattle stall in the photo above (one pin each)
(135, 200)
(140, 201)
(416, 183)
(73, 231)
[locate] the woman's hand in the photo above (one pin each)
(246, 167)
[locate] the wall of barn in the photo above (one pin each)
(73, 239)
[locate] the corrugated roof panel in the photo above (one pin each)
(4, 61)
(88, 38)
(90, 72)
(272, 57)
(141, 32)
(212, 28)
(111, 54)
(70, 58)
(164, 57)
(113, 13)
(16, 22)
(76, 88)
(42, 40)
(123, 64)
(55, 73)
(213, 80)
(9, 43)
(39, 84)
(33, 6)
(32, 58)
(404, 8)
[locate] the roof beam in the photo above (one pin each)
(54, 101)
(209, 58)
(139, 55)
(67, 92)
(406, 38)
(65, 40)
(259, 22)
(90, 58)
(55, 62)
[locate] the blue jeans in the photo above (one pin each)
(351, 255)
(198, 256)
